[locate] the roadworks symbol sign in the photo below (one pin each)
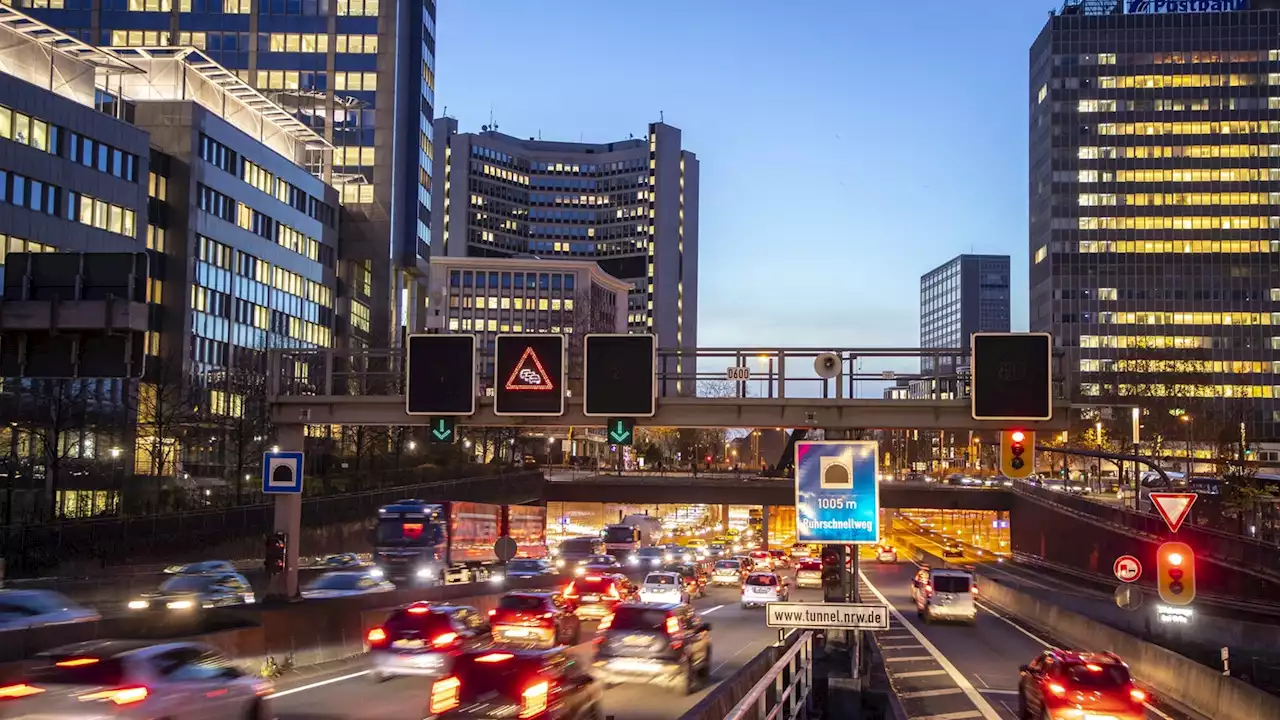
(529, 374)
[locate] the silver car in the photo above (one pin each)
(32, 608)
(663, 587)
(346, 583)
(186, 593)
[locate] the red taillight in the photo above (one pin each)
(444, 694)
(571, 592)
(533, 701)
(444, 639)
(495, 657)
(122, 696)
(376, 636)
(10, 692)
(1057, 689)
(673, 626)
(1138, 695)
(492, 613)
(606, 622)
(593, 578)
(928, 589)
(613, 592)
(78, 662)
(419, 609)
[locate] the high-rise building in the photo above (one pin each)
(360, 73)
(1154, 186)
(630, 206)
(965, 295)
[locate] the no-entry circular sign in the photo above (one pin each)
(1127, 568)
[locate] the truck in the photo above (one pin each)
(527, 525)
(634, 532)
(429, 543)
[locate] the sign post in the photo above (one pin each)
(1127, 568)
(282, 472)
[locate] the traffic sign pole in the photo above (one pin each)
(288, 520)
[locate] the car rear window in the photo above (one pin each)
(1096, 675)
(660, 579)
(762, 580)
(593, 585)
(728, 565)
(421, 625)
(950, 584)
(528, 603)
(632, 618)
(810, 565)
(77, 670)
(490, 672)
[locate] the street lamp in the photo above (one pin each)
(115, 453)
(413, 445)
(1186, 418)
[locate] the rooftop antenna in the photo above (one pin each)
(662, 117)
(492, 125)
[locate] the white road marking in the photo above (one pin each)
(962, 715)
(928, 693)
(710, 610)
(908, 658)
(899, 647)
(985, 710)
(314, 685)
(996, 691)
(985, 684)
(918, 673)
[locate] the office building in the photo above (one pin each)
(525, 294)
(629, 206)
(965, 295)
(1154, 186)
(334, 66)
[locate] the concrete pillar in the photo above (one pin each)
(764, 527)
(724, 520)
(288, 520)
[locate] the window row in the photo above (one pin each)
(1182, 175)
(319, 43)
(1169, 105)
(1222, 127)
(1168, 58)
(1178, 246)
(42, 135)
(491, 325)
(1188, 318)
(1109, 82)
(1183, 390)
(1179, 223)
(103, 215)
(507, 280)
(354, 155)
(254, 268)
(1143, 199)
(29, 193)
(508, 303)
(1088, 152)
(1237, 367)
(14, 244)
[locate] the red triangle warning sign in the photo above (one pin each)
(1173, 507)
(529, 374)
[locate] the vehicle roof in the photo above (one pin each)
(444, 608)
(530, 593)
(662, 572)
(950, 571)
(651, 606)
(1096, 658)
(520, 650)
(28, 592)
(340, 573)
(760, 573)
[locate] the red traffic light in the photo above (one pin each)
(1017, 436)
(1174, 558)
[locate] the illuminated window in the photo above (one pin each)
(367, 44)
(356, 193)
(1107, 293)
(360, 316)
(1041, 253)
(236, 7)
(354, 155)
(1180, 223)
(150, 5)
(27, 130)
(1044, 93)
(367, 8)
(102, 215)
(196, 39)
(1179, 246)
(1226, 127)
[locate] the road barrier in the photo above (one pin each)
(786, 689)
(1172, 676)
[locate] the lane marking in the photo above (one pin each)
(928, 693)
(962, 715)
(710, 610)
(913, 646)
(997, 691)
(919, 673)
(908, 658)
(985, 709)
(314, 685)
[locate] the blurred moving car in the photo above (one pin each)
(693, 576)
(534, 617)
(575, 551)
(945, 594)
(654, 644)
(594, 596)
(528, 568)
(342, 560)
(952, 549)
(203, 567)
(809, 573)
(345, 583)
(135, 679)
(650, 557)
(764, 587)
(599, 564)
(762, 559)
(20, 609)
(663, 587)
(420, 639)
(727, 572)
(886, 554)
(502, 682)
(195, 592)
(1064, 683)
(780, 559)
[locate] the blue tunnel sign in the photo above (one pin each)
(837, 492)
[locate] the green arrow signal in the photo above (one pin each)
(619, 434)
(443, 430)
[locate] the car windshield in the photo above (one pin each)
(76, 670)
(528, 603)
(634, 618)
(950, 583)
(577, 547)
(1101, 676)
(194, 583)
(660, 579)
(338, 581)
(620, 534)
(524, 566)
(593, 585)
(728, 565)
(600, 560)
(404, 623)
(810, 565)
(651, 552)
(762, 580)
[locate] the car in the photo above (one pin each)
(886, 554)
(135, 679)
(764, 587)
(575, 551)
(694, 576)
(650, 557)
(780, 559)
(420, 639)
(717, 549)
(809, 574)
(188, 593)
(203, 567)
(540, 618)
(594, 596)
(946, 594)
(345, 583)
(952, 549)
(529, 568)
(663, 587)
(727, 572)
(801, 550)
(748, 563)
(510, 682)
(679, 553)
(761, 559)
(342, 560)
(1085, 684)
(599, 564)
(667, 645)
(21, 609)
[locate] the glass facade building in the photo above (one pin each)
(334, 65)
(965, 295)
(1154, 188)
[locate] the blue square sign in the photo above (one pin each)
(837, 493)
(282, 472)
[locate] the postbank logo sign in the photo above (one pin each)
(529, 374)
(1155, 7)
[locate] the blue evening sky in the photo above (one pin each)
(847, 146)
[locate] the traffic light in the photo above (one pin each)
(1017, 453)
(277, 553)
(1176, 573)
(832, 574)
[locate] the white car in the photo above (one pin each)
(663, 587)
(345, 584)
(204, 567)
(135, 679)
(32, 608)
(764, 587)
(727, 572)
(886, 554)
(946, 594)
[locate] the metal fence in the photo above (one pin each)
(786, 690)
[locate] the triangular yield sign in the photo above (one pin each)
(1173, 507)
(529, 374)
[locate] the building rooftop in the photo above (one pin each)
(54, 39)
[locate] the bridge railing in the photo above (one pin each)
(786, 690)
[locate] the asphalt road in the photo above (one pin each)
(954, 671)
(348, 693)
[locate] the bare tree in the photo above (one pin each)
(170, 405)
(55, 415)
(245, 422)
